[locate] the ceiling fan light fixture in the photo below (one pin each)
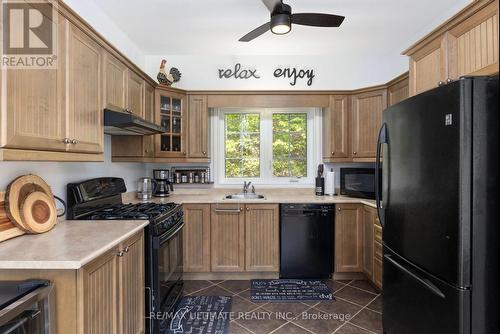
(281, 24)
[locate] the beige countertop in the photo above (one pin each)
(69, 245)
(272, 196)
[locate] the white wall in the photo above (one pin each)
(58, 174)
(342, 72)
(98, 19)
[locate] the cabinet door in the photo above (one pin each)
(33, 111)
(398, 92)
(198, 127)
(171, 114)
(336, 129)
(135, 93)
(367, 111)
(473, 44)
(227, 233)
(86, 129)
(428, 67)
(262, 237)
(131, 285)
(98, 295)
(115, 82)
(196, 233)
(368, 241)
(149, 114)
(348, 238)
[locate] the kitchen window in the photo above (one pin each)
(266, 146)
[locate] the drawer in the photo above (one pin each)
(377, 233)
(377, 250)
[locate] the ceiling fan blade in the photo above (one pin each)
(256, 32)
(271, 4)
(317, 20)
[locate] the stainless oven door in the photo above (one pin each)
(32, 314)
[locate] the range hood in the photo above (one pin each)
(120, 122)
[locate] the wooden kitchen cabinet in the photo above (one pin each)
(198, 127)
(398, 89)
(227, 231)
(466, 44)
(32, 103)
(111, 290)
(348, 238)
(171, 113)
(85, 114)
(115, 82)
(196, 238)
(336, 141)
(135, 93)
(377, 256)
(366, 114)
(368, 241)
(262, 237)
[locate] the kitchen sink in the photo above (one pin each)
(245, 196)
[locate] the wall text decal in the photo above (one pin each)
(294, 74)
(238, 73)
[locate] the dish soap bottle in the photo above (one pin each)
(320, 181)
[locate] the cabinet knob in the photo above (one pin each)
(449, 80)
(66, 141)
(248, 209)
(333, 153)
(355, 153)
(126, 249)
(119, 254)
(440, 83)
(339, 209)
(184, 153)
(146, 150)
(74, 141)
(204, 153)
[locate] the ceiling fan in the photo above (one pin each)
(282, 19)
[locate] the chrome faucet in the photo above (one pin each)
(246, 186)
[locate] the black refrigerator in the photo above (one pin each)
(438, 202)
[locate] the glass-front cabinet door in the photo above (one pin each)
(171, 114)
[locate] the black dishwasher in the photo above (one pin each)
(306, 240)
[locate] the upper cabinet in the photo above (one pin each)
(367, 111)
(171, 114)
(115, 82)
(398, 90)
(467, 44)
(85, 115)
(336, 139)
(198, 127)
(135, 94)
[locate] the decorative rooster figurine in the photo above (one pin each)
(168, 79)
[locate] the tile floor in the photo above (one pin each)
(357, 309)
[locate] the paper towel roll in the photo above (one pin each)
(330, 183)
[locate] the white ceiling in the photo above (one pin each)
(213, 27)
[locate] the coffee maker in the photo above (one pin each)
(163, 184)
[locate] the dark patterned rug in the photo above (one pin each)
(288, 290)
(201, 315)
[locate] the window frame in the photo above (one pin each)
(314, 116)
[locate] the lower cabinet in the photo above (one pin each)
(368, 241)
(262, 237)
(111, 290)
(196, 236)
(348, 238)
(377, 257)
(231, 238)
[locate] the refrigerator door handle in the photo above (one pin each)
(425, 282)
(382, 139)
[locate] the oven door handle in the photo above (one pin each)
(168, 235)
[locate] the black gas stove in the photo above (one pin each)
(101, 199)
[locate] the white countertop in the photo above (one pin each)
(69, 245)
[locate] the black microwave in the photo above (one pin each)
(357, 182)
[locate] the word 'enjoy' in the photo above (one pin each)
(295, 74)
(238, 73)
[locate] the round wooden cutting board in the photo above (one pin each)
(30, 204)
